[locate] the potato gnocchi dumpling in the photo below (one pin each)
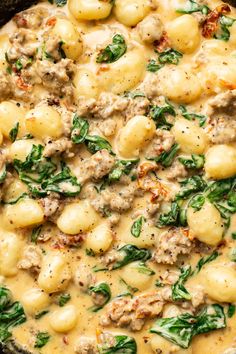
(131, 12)
(220, 161)
(89, 9)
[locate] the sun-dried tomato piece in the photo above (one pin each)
(210, 25)
(163, 43)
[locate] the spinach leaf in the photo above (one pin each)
(232, 254)
(181, 329)
(102, 289)
(231, 310)
(123, 345)
(179, 292)
(193, 6)
(171, 218)
(60, 3)
(191, 185)
(233, 235)
(170, 56)
(166, 158)
(63, 299)
(136, 228)
(225, 23)
(134, 94)
(121, 167)
(153, 66)
(130, 254)
(96, 143)
(131, 289)
(41, 339)
(113, 51)
(197, 202)
(158, 114)
(144, 269)
(35, 233)
(159, 284)
(13, 132)
(16, 200)
(205, 260)
(41, 314)
(38, 173)
(11, 314)
(63, 183)
(196, 161)
(18, 65)
(3, 174)
(192, 116)
(219, 190)
(79, 131)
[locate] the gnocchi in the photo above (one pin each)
(124, 74)
(55, 273)
(25, 213)
(99, 239)
(10, 247)
(219, 282)
(130, 12)
(86, 84)
(220, 161)
(64, 319)
(71, 38)
(191, 138)
(184, 33)
(137, 132)
(35, 300)
(135, 277)
(89, 9)
(44, 121)
(206, 224)
(77, 217)
(179, 84)
(10, 115)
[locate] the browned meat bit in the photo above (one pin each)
(108, 105)
(86, 345)
(51, 46)
(176, 171)
(5, 86)
(31, 259)
(118, 199)
(32, 18)
(134, 312)
(150, 86)
(57, 77)
(24, 45)
(222, 123)
(197, 295)
(137, 106)
(57, 147)
(95, 167)
(162, 142)
(151, 28)
(50, 204)
(84, 278)
(171, 244)
(64, 240)
(108, 127)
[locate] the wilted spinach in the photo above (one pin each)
(100, 289)
(170, 56)
(79, 131)
(123, 345)
(181, 329)
(196, 162)
(153, 66)
(191, 185)
(158, 114)
(121, 167)
(192, 116)
(14, 132)
(205, 260)
(179, 292)
(63, 299)
(166, 158)
(144, 269)
(130, 254)
(171, 218)
(113, 51)
(42, 339)
(11, 314)
(193, 6)
(225, 23)
(96, 143)
(136, 228)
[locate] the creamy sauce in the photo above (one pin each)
(96, 35)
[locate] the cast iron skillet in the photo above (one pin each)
(8, 8)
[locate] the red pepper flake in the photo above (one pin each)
(210, 25)
(65, 340)
(51, 21)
